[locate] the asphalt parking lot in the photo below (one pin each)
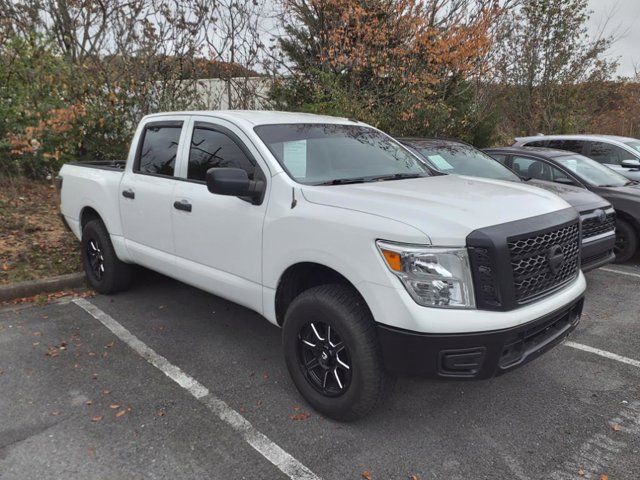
(79, 401)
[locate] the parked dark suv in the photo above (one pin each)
(568, 168)
(454, 156)
(621, 154)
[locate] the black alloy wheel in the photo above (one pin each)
(324, 359)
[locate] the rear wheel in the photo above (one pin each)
(332, 352)
(105, 272)
(626, 241)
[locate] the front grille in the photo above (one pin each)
(593, 225)
(533, 272)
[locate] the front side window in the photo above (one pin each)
(635, 144)
(607, 153)
(591, 171)
(158, 150)
(211, 148)
(453, 157)
(316, 154)
(531, 168)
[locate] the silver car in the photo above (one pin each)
(621, 154)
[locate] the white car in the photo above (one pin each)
(621, 154)
(372, 263)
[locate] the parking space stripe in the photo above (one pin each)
(620, 272)
(260, 442)
(604, 353)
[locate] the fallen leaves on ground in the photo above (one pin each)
(582, 473)
(299, 416)
(604, 477)
(616, 427)
(55, 413)
(366, 475)
(96, 418)
(160, 413)
(414, 477)
(106, 392)
(120, 413)
(113, 406)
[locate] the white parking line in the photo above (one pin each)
(604, 353)
(620, 272)
(260, 442)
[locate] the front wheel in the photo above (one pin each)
(105, 272)
(332, 352)
(626, 241)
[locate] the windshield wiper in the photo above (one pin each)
(342, 181)
(395, 176)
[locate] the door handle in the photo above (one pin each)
(182, 205)
(129, 193)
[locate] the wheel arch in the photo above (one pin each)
(302, 276)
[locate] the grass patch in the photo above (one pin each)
(33, 241)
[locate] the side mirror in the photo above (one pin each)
(234, 182)
(630, 163)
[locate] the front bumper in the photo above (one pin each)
(597, 252)
(478, 355)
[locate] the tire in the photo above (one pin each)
(626, 241)
(111, 275)
(340, 317)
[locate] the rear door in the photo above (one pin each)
(146, 193)
(218, 238)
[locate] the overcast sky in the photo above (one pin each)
(620, 18)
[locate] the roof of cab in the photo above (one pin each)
(262, 117)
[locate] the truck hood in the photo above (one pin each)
(579, 198)
(445, 208)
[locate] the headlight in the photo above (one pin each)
(433, 276)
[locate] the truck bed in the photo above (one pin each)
(102, 164)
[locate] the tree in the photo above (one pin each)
(544, 54)
(398, 64)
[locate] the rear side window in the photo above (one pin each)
(607, 153)
(500, 157)
(537, 143)
(575, 146)
(159, 147)
(211, 148)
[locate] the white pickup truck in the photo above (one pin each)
(372, 263)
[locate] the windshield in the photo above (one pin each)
(591, 171)
(454, 157)
(318, 154)
(635, 144)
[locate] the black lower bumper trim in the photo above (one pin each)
(597, 253)
(475, 355)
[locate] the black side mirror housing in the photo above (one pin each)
(631, 163)
(234, 182)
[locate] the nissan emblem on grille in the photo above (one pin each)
(556, 258)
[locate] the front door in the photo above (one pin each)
(218, 238)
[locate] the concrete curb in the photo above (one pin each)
(34, 287)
